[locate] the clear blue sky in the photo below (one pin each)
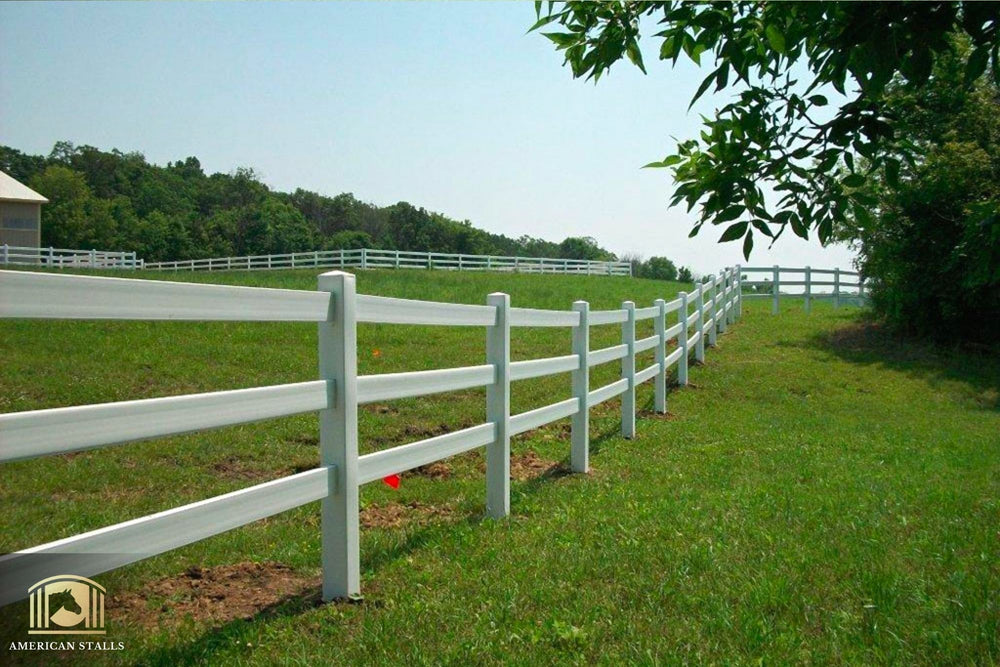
(451, 106)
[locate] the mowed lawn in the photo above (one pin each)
(820, 493)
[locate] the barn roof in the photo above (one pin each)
(13, 190)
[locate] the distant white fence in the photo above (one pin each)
(63, 258)
(699, 316)
(368, 258)
(834, 284)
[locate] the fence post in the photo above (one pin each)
(836, 287)
(731, 302)
(712, 335)
(775, 287)
(5, 254)
(699, 306)
(660, 383)
(93, 258)
(808, 288)
(460, 262)
(489, 262)
(628, 371)
(579, 454)
(52, 253)
(498, 409)
(739, 291)
(397, 259)
(338, 438)
(364, 258)
(682, 341)
(724, 319)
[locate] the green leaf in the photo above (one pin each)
(747, 245)
(775, 38)
(668, 161)
(853, 181)
(635, 55)
(562, 39)
(976, 65)
(734, 232)
(730, 213)
(819, 100)
(892, 172)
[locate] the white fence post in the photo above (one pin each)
(731, 299)
(713, 289)
(579, 454)
(699, 306)
(338, 438)
(808, 289)
(364, 258)
(836, 287)
(682, 340)
(739, 291)
(775, 287)
(93, 258)
(660, 382)
(628, 371)
(724, 301)
(498, 409)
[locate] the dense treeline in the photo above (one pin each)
(115, 200)
(929, 242)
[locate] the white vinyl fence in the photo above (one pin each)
(63, 258)
(834, 284)
(368, 258)
(692, 320)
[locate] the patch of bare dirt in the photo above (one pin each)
(216, 595)
(530, 465)
(653, 414)
(305, 439)
(383, 409)
(437, 470)
(394, 515)
(233, 467)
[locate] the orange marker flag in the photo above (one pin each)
(392, 480)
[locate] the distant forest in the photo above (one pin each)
(118, 201)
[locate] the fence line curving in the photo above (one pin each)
(370, 258)
(690, 319)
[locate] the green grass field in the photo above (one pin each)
(820, 493)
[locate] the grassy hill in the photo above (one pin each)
(818, 494)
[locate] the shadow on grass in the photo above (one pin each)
(868, 343)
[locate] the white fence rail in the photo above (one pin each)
(368, 258)
(63, 258)
(806, 283)
(704, 312)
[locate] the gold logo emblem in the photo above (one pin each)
(66, 605)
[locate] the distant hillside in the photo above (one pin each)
(116, 200)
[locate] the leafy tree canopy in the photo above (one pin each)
(778, 60)
(117, 200)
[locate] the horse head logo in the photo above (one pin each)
(66, 604)
(64, 599)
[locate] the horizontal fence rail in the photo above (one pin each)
(371, 258)
(62, 258)
(686, 323)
